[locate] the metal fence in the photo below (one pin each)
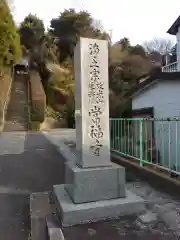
(155, 142)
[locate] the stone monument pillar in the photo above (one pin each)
(94, 186)
(92, 103)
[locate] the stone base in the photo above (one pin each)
(94, 184)
(73, 214)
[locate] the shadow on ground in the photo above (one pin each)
(125, 228)
(37, 168)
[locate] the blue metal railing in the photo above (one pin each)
(153, 142)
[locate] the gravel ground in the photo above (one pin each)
(123, 229)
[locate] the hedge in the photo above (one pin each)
(37, 97)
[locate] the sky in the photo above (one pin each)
(139, 20)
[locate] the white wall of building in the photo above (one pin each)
(164, 96)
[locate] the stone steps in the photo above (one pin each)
(17, 112)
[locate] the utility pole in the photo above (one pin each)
(110, 34)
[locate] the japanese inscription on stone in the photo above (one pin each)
(96, 99)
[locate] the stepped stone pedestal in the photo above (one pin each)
(94, 187)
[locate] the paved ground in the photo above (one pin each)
(28, 163)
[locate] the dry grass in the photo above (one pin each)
(34, 126)
(57, 68)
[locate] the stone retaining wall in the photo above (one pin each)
(38, 98)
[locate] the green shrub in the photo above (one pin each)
(9, 38)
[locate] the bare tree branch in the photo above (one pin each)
(160, 45)
(97, 24)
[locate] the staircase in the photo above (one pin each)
(18, 108)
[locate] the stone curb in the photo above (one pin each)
(54, 231)
(62, 148)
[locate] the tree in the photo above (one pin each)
(118, 107)
(156, 57)
(126, 64)
(40, 46)
(125, 43)
(31, 31)
(137, 50)
(49, 49)
(117, 54)
(135, 66)
(163, 46)
(69, 26)
(9, 38)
